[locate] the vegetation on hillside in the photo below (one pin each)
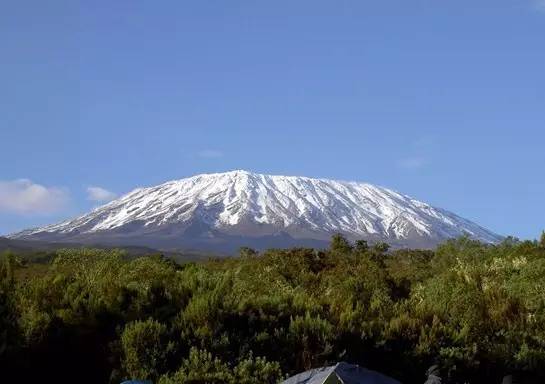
(96, 316)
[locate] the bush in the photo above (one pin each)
(145, 350)
(476, 310)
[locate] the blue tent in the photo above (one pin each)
(340, 373)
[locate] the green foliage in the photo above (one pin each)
(477, 310)
(257, 371)
(8, 316)
(247, 252)
(201, 367)
(145, 349)
(382, 247)
(361, 246)
(340, 244)
(310, 336)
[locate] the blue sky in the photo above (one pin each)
(444, 101)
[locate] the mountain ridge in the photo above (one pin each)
(224, 210)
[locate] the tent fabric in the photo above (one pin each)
(333, 379)
(345, 374)
(314, 376)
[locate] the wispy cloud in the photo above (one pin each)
(100, 194)
(25, 197)
(412, 162)
(210, 153)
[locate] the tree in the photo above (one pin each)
(200, 367)
(339, 244)
(257, 371)
(311, 337)
(381, 247)
(144, 349)
(8, 319)
(542, 240)
(247, 252)
(362, 246)
(474, 309)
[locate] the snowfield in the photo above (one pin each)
(241, 203)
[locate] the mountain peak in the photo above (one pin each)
(242, 207)
(234, 172)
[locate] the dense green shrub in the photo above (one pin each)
(477, 310)
(145, 349)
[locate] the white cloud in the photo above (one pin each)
(25, 197)
(210, 153)
(100, 194)
(412, 163)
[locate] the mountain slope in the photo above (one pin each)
(227, 210)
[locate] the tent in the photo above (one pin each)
(340, 373)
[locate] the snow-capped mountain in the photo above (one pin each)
(223, 211)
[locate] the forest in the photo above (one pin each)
(101, 316)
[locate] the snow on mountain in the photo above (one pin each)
(213, 208)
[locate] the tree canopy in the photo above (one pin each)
(475, 310)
